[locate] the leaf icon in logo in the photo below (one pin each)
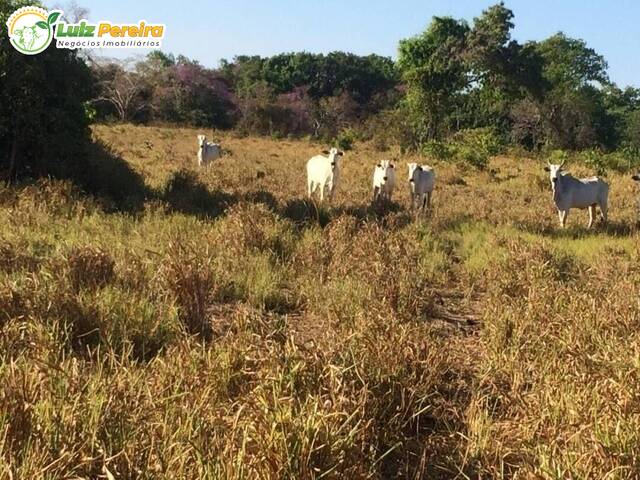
(42, 24)
(52, 18)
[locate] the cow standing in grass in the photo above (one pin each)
(384, 181)
(570, 192)
(422, 180)
(207, 151)
(324, 172)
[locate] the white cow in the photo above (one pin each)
(324, 172)
(422, 179)
(570, 192)
(207, 151)
(384, 181)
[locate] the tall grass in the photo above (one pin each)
(228, 328)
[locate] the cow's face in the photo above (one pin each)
(414, 171)
(385, 167)
(414, 168)
(334, 153)
(554, 173)
(201, 140)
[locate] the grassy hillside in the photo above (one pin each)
(213, 324)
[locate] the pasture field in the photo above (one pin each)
(214, 324)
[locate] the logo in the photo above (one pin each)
(31, 29)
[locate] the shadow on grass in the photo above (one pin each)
(305, 212)
(264, 197)
(186, 194)
(456, 221)
(612, 228)
(108, 176)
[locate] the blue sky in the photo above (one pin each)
(211, 30)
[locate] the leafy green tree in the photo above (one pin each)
(43, 125)
(574, 110)
(569, 64)
(433, 67)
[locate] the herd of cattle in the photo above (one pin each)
(323, 173)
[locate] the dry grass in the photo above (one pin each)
(230, 329)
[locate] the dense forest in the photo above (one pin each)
(457, 90)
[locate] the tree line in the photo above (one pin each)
(458, 88)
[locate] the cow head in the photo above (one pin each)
(333, 154)
(555, 171)
(414, 168)
(385, 169)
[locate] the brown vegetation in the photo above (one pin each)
(231, 329)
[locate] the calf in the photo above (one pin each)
(324, 172)
(384, 181)
(422, 179)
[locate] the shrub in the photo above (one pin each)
(595, 160)
(345, 139)
(189, 277)
(90, 268)
(558, 156)
(475, 146)
(438, 150)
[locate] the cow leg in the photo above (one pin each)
(592, 214)
(310, 188)
(429, 200)
(603, 211)
(376, 191)
(562, 214)
(322, 187)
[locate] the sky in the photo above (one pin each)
(211, 30)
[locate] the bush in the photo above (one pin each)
(345, 139)
(595, 160)
(438, 150)
(43, 122)
(475, 146)
(188, 275)
(90, 268)
(557, 157)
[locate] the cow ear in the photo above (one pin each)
(392, 165)
(546, 169)
(326, 152)
(419, 167)
(379, 166)
(341, 153)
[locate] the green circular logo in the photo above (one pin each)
(31, 29)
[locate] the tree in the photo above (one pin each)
(124, 90)
(43, 125)
(573, 107)
(569, 64)
(433, 67)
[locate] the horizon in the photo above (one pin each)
(248, 34)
